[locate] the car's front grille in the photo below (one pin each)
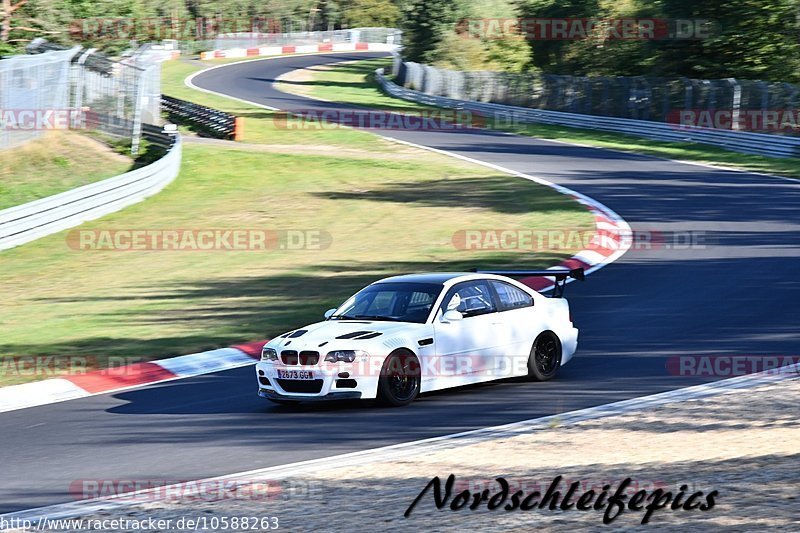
(312, 386)
(291, 357)
(309, 358)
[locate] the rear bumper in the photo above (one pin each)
(331, 396)
(569, 344)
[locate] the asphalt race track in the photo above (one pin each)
(738, 295)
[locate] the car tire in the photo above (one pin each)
(400, 379)
(545, 357)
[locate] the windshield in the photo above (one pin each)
(400, 302)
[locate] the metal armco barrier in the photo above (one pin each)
(31, 221)
(739, 141)
(215, 123)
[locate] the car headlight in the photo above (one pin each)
(346, 356)
(268, 354)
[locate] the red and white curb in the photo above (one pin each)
(70, 387)
(612, 240)
(263, 51)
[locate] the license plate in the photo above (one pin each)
(295, 374)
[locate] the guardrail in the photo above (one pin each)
(739, 141)
(31, 221)
(212, 121)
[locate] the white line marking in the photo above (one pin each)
(414, 448)
(622, 226)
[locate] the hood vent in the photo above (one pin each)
(293, 334)
(360, 335)
(353, 334)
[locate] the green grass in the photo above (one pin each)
(354, 83)
(259, 123)
(57, 162)
(393, 209)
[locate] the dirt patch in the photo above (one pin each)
(295, 81)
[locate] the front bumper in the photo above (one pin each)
(329, 382)
(331, 396)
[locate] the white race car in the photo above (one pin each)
(405, 335)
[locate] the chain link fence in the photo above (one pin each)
(93, 92)
(30, 87)
(642, 98)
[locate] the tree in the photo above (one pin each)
(443, 35)
(755, 39)
(425, 23)
(9, 8)
(551, 55)
(371, 13)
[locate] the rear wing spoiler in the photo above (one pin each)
(560, 275)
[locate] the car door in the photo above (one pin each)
(520, 323)
(465, 348)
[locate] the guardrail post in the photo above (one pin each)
(648, 96)
(78, 103)
(764, 95)
(137, 115)
(687, 95)
(736, 104)
(238, 128)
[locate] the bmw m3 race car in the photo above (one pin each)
(405, 335)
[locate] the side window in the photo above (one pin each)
(511, 297)
(470, 298)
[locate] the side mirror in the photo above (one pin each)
(451, 316)
(329, 312)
